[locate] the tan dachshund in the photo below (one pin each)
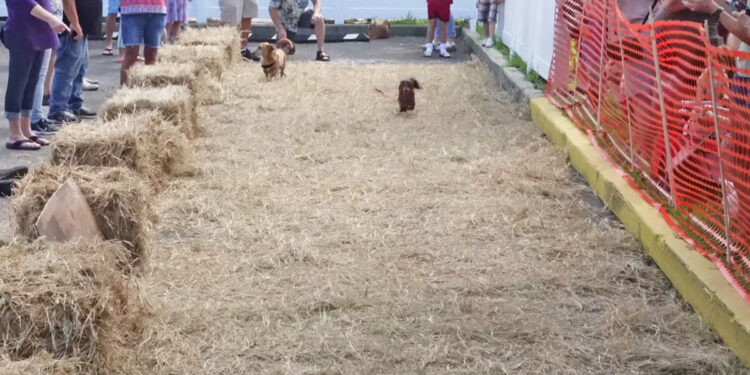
(272, 60)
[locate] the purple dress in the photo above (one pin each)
(176, 11)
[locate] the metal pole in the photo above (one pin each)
(627, 98)
(665, 127)
(601, 68)
(578, 44)
(725, 199)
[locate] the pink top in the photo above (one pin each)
(143, 6)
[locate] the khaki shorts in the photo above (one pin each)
(233, 11)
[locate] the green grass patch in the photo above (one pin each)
(409, 20)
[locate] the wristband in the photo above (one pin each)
(715, 15)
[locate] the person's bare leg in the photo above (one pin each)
(176, 29)
(320, 33)
(443, 32)
(491, 30)
(50, 73)
(246, 25)
(149, 54)
(167, 32)
(131, 56)
(431, 30)
(486, 29)
(26, 127)
(15, 131)
(111, 24)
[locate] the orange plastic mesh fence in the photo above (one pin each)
(672, 111)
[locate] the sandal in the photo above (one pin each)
(108, 52)
(322, 56)
(39, 140)
(22, 145)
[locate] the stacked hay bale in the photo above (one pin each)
(201, 82)
(210, 58)
(145, 143)
(74, 307)
(119, 200)
(228, 38)
(176, 103)
(70, 302)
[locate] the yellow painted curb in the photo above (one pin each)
(696, 278)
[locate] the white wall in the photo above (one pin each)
(528, 30)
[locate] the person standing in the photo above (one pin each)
(240, 13)
(66, 98)
(143, 23)
(29, 30)
(113, 8)
(39, 122)
(176, 16)
(438, 12)
(289, 15)
(487, 13)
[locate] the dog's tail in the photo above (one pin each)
(287, 46)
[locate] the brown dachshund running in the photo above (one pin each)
(406, 94)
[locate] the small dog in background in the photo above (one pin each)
(272, 60)
(406, 94)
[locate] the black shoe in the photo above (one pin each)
(84, 113)
(250, 55)
(44, 127)
(16, 173)
(63, 117)
(6, 187)
(45, 100)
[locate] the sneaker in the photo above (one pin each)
(452, 47)
(44, 127)
(84, 113)
(428, 52)
(89, 86)
(63, 117)
(91, 81)
(250, 55)
(16, 173)
(6, 188)
(445, 54)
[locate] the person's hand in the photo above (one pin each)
(282, 34)
(705, 6)
(76, 29)
(317, 17)
(58, 26)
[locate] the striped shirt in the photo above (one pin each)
(143, 6)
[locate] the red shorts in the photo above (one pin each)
(440, 9)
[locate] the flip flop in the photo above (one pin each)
(39, 140)
(23, 145)
(108, 52)
(322, 56)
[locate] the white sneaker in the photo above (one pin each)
(428, 52)
(445, 54)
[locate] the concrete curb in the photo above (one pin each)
(697, 279)
(509, 78)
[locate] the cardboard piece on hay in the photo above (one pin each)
(67, 216)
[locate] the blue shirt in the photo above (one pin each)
(22, 30)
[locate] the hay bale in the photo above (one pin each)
(210, 58)
(117, 197)
(69, 300)
(206, 89)
(379, 29)
(43, 364)
(227, 37)
(176, 103)
(145, 143)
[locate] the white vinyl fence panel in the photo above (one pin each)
(528, 30)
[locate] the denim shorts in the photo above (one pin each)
(142, 28)
(113, 7)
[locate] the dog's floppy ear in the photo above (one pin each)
(415, 84)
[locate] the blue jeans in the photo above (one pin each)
(70, 67)
(36, 113)
(142, 29)
(450, 29)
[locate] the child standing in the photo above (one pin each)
(487, 13)
(438, 10)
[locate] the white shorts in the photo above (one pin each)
(233, 11)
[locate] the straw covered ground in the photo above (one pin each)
(326, 233)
